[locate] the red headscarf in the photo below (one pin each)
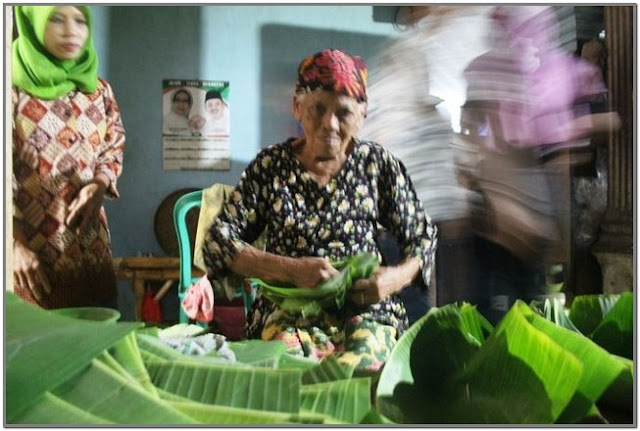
(333, 70)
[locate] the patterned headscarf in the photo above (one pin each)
(38, 72)
(333, 70)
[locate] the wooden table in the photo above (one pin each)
(140, 269)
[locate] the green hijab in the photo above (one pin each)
(41, 74)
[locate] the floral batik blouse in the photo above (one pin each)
(336, 220)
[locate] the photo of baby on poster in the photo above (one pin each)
(195, 126)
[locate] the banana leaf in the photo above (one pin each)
(152, 349)
(230, 385)
(615, 332)
(126, 352)
(599, 371)
(327, 370)
(258, 353)
(43, 350)
(619, 396)
(439, 373)
(52, 410)
(555, 311)
(331, 293)
(302, 363)
(224, 415)
(114, 365)
(344, 401)
(102, 392)
(587, 311)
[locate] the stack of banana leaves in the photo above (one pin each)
(538, 366)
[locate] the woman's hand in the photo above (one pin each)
(309, 272)
(28, 272)
(382, 283)
(85, 208)
(385, 281)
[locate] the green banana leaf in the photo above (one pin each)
(116, 366)
(52, 410)
(259, 353)
(555, 311)
(118, 399)
(224, 415)
(126, 352)
(43, 350)
(587, 311)
(328, 370)
(619, 396)
(600, 367)
(328, 294)
(296, 362)
(439, 373)
(152, 349)
(230, 384)
(615, 332)
(345, 401)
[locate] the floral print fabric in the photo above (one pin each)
(336, 220)
(334, 71)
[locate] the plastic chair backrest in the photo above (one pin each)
(183, 205)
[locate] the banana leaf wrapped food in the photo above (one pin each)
(330, 293)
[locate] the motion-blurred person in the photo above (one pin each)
(520, 111)
(417, 88)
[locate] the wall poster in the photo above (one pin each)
(195, 125)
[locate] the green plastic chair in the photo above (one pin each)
(183, 205)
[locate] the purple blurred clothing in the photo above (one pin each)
(532, 87)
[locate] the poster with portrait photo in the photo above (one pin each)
(195, 125)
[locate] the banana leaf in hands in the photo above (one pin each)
(328, 294)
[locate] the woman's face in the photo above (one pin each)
(66, 33)
(181, 103)
(329, 121)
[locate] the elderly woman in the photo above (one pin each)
(322, 197)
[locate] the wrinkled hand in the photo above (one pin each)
(85, 208)
(382, 283)
(28, 272)
(309, 272)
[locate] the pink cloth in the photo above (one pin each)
(198, 301)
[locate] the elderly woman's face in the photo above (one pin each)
(329, 121)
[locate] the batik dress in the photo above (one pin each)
(58, 147)
(337, 220)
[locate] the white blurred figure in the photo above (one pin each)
(415, 95)
(525, 107)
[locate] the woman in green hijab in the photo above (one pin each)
(68, 141)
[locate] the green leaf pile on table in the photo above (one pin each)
(450, 367)
(61, 370)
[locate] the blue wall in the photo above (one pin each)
(139, 46)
